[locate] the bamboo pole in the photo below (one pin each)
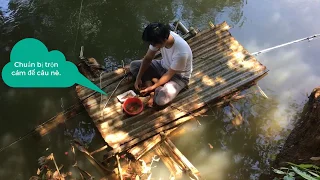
(142, 148)
(99, 150)
(191, 169)
(173, 167)
(119, 167)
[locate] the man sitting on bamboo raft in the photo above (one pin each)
(164, 78)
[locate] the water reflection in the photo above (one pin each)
(83, 133)
(199, 13)
(259, 135)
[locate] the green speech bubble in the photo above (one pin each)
(31, 65)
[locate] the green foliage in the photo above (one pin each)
(304, 171)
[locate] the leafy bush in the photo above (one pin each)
(302, 171)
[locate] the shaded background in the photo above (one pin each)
(112, 30)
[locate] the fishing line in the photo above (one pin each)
(71, 108)
(39, 126)
(67, 110)
(75, 43)
(125, 75)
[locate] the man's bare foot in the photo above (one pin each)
(146, 84)
(127, 69)
(154, 80)
(150, 101)
(129, 78)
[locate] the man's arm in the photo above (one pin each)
(165, 78)
(177, 66)
(147, 59)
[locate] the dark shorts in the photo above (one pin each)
(163, 94)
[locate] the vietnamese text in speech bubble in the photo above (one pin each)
(31, 65)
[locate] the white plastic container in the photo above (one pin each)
(122, 97)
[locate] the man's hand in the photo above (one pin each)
(148, 89)
(164, 79)
(138, 83)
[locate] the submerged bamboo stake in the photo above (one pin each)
(55, 164)
(262, 93)
(139, 150)
(194, 172)
(119, 167)
(173, 167)
(95, 162)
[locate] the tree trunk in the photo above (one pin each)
(303, 142)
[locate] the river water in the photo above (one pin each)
(112, 30)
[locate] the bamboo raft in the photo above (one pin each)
(221, 67)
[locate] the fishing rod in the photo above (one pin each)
(310, 38)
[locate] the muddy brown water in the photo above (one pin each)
(112, 30)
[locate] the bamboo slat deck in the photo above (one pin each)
(220, 66)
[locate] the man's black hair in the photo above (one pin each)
(156, 33)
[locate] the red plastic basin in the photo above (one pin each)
(132, 106)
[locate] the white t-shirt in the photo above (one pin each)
(178, 57)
